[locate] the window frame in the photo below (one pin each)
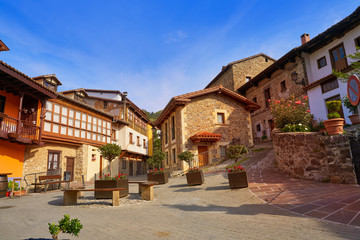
(322, 85)
(173, 151)
(333, 62)
(319, 61)
(131, 138)
(267, 96)
(283, 87)
(357, 41)
(222, 117)
(173, 128)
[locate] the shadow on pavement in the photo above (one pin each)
(187, 190)
(217, 188)
(178, 186)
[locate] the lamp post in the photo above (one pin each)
(124, 98)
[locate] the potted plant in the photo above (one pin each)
(354, 118)
(237, 177)
(66, 225)
(16, 189)
(119, 181)
(158, 175)
(194, 176)
(334, 125)
(110, 152)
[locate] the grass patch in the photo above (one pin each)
(258, 150)
(238, 163)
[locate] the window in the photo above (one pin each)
(254, 100)
(258, 128)
(283, 86)
(93, 157)
(2, 104)
(357, 42)
(50, 85)
(131, 138)
(113, 135)
(123, 163)
(267, 97)
(166, 133)
(138, 141)
(329, 85)
(247, 78)
(79, 97)
(221, 118)
(321, 62)
(222, 151)
(53, 160)
(173, 127)
(144, 143)
(167, 158)
(266, 59)
(338, 58)
(336, 97)
(105, 104)
(130, 115)
(174, 155)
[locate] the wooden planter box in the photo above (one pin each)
(238, 180)
(161, 178)
(121, 183)
(195, 178)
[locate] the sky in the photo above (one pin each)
(154, 50)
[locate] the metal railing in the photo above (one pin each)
(34, 176)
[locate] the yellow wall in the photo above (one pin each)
(11, 158)
(150, 140)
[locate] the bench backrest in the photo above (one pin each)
(50, 177)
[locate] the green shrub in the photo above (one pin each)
(235, 151)
(295, 128)
(187, 156)
(353, 109)
(333, 115)
(65, 225)
(333, 106)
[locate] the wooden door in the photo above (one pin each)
(338, 57)
(70, 167)
(203, 155)
(101, 160)
(131, 168)
(139, 168)
(53, 162)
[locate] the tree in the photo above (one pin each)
(235, 151)
(65, 225)
(158, 155)
(110, 151)
(187, 156)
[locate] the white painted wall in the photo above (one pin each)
(122, 136)
(316, 97)
(114, 96)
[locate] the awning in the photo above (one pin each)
(205, 137)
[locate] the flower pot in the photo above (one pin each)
(334, 126)
(121, 183)
(150, 177)
(238, 180)
(195, 178)
(161, 178)
(355, 118)
(8, 193)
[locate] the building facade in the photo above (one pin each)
(236, 74)
(204, 122)
(280, 80)
(326, 52)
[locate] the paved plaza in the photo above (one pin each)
(209, 211)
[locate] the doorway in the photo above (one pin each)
(70, 167)
(203, 155)
(131, 167)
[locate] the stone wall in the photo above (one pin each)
(226, 79)
(263, 115)
(314, 156)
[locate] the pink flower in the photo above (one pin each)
(308, 111)
(268, 100)
(298, 102)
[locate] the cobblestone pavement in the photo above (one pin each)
(209, 211)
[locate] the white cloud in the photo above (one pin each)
(173, 37)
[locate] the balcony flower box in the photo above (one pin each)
(237, 177)
(195, 177)
(120, 181)
(158, 175)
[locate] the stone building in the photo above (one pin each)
(72, 133)
(204, 122)
(283, 78)
(236, 74)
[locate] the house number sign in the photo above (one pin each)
(353, 90)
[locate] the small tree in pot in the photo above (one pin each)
(335, 124)
(194, 176)
(235, 152)
(110, 152)
(354, 118)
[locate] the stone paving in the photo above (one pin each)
(209, 211)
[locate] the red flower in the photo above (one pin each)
(308, 111)
(268, 100)
(298, 102)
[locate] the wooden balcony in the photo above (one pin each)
(20, 131)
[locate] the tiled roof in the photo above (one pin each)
(185, 98)
(3, 47)
(104, 91)
(320, 81)
(204, 136)
(225, 68)
(49, 76)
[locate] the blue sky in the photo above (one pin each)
(154, 50)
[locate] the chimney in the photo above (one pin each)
(305, 38)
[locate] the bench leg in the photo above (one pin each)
(116, 198)
(70, 197)
(139, 188)
(147, 193)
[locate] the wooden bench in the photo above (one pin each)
(146, 189)
(71, 195)
(49, 180)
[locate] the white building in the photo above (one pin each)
(325, 52)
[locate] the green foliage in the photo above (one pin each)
(151, 115)
(187, 156)
(258, 150)
(66, 225)
(263, 137)
(110, 151)
(353, 109)
(291, 111)
(317, 127)
(344, 77)
(295, 128)
(238, 163)
(333, 115)
(10, 184)
(333, 108)
(158, 155)
(235, 151)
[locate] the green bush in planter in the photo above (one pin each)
(235, 151)
(353, 109)
(334, 108)
(187, 156)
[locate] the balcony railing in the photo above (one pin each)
(9, 125)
